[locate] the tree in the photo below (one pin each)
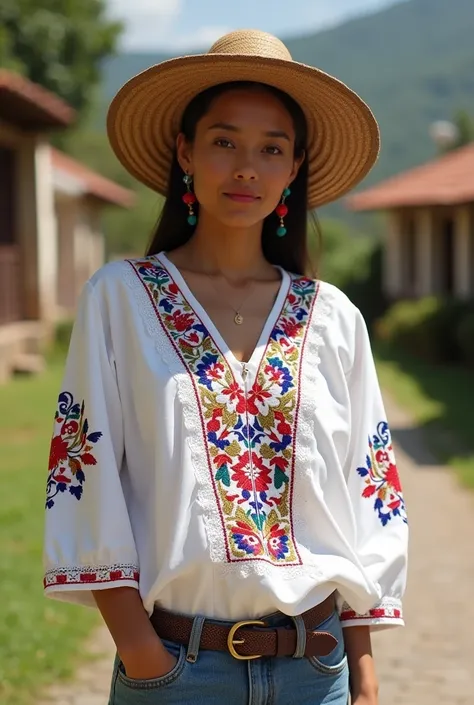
(455, 134)
(59, 44)
(464, 123)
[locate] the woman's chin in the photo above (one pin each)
(242, 220)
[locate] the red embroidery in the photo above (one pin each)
(375, 613)
(82, 575)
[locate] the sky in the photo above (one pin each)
(177, 25)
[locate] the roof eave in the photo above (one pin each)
(31, 106)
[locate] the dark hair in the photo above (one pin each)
(290, 252)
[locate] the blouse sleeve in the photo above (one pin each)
(375, 492)
(89, 543)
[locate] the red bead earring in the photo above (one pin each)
(282, 210)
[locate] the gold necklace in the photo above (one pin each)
(238, 318)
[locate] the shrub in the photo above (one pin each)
(353, 262)
(465, 337)
(427, 328)
(444, 328)
(62, 335)
(404, 325)
(364, 287)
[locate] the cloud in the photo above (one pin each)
(163, 7)
(148, 22)
(155, 25)
(174, 26)
(202, 38)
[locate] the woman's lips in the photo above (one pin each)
(242, 197)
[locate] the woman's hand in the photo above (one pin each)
(366, 700)
(153, 661)
(140, 649)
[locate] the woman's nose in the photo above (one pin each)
(245, 173)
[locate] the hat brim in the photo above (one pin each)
(144, 118)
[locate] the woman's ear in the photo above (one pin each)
(184, 153)
(296, 166)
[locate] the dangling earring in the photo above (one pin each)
(189, 199)
(282, 210)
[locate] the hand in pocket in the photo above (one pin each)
(149, 663)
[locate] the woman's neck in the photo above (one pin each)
(233, 252)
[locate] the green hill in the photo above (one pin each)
(412, 62)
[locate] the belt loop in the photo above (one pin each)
(300, 636)
(195, 639)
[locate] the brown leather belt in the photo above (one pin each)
(252, 637)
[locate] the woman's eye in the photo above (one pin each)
(273, 150)
(223, 143)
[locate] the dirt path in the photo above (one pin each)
(432, 659)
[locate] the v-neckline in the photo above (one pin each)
(253, 363)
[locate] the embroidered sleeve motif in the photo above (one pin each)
(386, 609)
(71, 450)
(381, 477)
(93, 575)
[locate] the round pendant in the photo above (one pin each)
(238, 319)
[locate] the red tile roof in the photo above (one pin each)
(447, 180)
(93, 183)
(28, 105)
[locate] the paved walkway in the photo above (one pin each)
(432, 659)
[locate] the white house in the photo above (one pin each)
(429, 240)
(50, 235)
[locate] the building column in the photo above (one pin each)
(47, 232)
(392, 257)
(37, 228)
(97, 239)
(425, 264)
(462, 252)
(67, 214)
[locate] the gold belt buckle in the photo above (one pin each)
(232, 642)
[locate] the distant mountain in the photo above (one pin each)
(412, 62)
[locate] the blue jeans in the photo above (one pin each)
(216, 678)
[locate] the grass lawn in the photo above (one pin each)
(40, 640)
(441, 401)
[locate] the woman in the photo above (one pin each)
(222, 482)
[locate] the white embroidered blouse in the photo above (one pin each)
(217, 487)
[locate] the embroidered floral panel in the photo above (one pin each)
(249, 433)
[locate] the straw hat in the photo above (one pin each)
(145, 116)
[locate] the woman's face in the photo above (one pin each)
(242, 157)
